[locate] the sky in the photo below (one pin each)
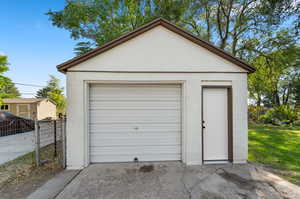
(33, 45)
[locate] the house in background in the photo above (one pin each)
(34, 108)
(156, 94)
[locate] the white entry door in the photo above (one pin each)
(134, 122)
(215, 125)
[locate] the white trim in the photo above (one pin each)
(239, 161)
(86, 88)
(86, 84)
(216, 162)
(75, 167)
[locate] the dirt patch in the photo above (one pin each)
(24, 184)
(20, 177)
(146, 168)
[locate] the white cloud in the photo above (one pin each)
(2, 53)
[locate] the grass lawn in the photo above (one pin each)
(278, 148)
(20, 177)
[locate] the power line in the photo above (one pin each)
(32, 85)
(28, 93)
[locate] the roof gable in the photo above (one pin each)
(173, 31)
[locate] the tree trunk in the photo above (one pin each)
(258, 107)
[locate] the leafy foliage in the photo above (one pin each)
(7, 87)
(54, 92)
(279, 114)
(243, 27)
(276, 80)
(101, 21)
(264, 33)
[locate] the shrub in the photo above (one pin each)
(254, 112)
(282, 114)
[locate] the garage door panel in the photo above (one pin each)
(133, 116)
(99, 127)
(135, 104)
(136, 140)
(135, 150)
(127, 90)
(128, 121)
(130, 158)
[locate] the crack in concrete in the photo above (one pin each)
(276, 190)
(184, 185)
(243, 183)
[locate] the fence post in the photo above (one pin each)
(37, 142)
(63, 135)
(55, 144)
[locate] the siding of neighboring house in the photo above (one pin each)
(46, 109)
(14, 109)
(37, 110)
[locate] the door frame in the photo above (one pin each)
(229, 119)
(86, 96)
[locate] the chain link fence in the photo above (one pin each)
(50, 141)
(40, 141)
(15, 126)
(30, 154)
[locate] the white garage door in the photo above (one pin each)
(134, 121)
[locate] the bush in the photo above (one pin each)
(282, 114)
(297, 123)
(254, 112)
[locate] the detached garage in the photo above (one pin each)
(156, 94)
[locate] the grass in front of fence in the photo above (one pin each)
(22, 173)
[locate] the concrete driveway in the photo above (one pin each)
(13, 146)
(173, 180)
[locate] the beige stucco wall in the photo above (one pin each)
(46, 109)
(77, 87)
(158, 56)
(40, 110)
(13, 108)
(158, 49)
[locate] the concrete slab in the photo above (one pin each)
(13, 146)
(173, 180)
(54, 186)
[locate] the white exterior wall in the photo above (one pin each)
(158, 56)
(158, 49)
(77, 84)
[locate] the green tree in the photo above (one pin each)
(276, 80)
(101, 21)
(54, 92)
(7, 87)
(242, 27)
